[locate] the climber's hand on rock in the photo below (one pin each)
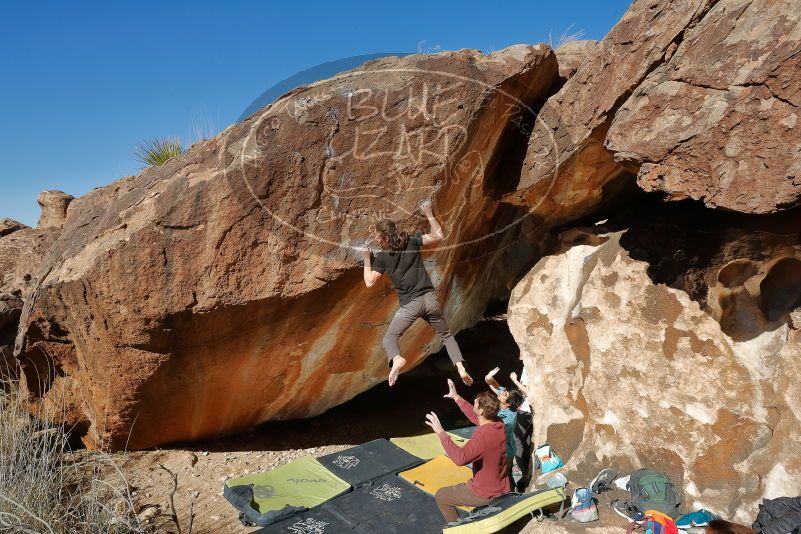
(426, 208)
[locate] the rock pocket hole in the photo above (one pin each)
(735, 274)
(781, 289)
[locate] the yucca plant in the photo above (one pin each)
(155, 152)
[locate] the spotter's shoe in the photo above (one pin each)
(627, 510)
(603, 480)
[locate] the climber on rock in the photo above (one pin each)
(400, 259)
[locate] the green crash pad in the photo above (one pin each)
(285, 491)
(504, 511)
(427, 446)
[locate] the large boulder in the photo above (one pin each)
(697, 98)
(222, 290)
(717, 121)
(567, 172)
(21, 253)
(670, 339)
(54, 206)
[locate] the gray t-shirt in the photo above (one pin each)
(406, 270)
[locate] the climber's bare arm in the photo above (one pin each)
(491, 382)
(522, 387)
(370, 276)
(436, 234)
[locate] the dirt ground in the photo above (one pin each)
(382, 412)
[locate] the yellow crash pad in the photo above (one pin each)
(437, 473)
(427, 446)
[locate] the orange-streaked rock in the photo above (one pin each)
(567, 172)
(220, 290)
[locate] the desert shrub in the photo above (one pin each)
(47, 488)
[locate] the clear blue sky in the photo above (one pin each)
(83, 82)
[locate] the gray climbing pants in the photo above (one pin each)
(425, 307)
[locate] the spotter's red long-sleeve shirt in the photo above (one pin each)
(486, 450)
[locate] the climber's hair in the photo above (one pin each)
(397, 238)
(515, 398)
(489, 405)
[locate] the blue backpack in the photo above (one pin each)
(547, 459)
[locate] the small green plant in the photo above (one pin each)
(155, 152)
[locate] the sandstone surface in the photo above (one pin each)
(8, 226)
(567, 172)
(54, 206)
(21, 253)
(696, 98)
(671, 340)
(221, 290)
(717, 121)
(570, 56)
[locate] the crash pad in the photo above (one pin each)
(388, 505)
(268, 497)
(321, 520)
(426, 446)
(465, 432)
(504, 511)
(437, 473)
(365, 463)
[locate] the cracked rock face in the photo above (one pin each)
(718, 121)
(220, 291)
(698, 98)
(21, 252)
(567, 172)
(671, 341)
(571, 55)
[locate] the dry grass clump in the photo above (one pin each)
(565, 38)
(47, 488)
